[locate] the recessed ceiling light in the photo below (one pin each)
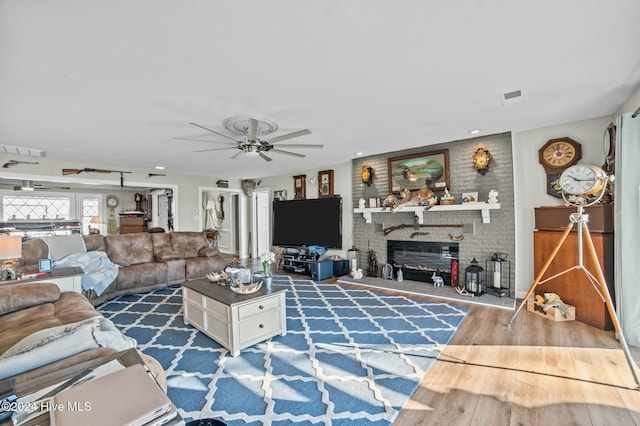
(474, 131)
(159, 167)
(359, 154)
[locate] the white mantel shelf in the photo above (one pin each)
(484, 209)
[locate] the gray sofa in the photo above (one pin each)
(146, 260)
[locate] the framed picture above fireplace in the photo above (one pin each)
(425, 170)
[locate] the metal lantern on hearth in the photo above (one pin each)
(353, 256)
(498, 270)
(474, 278)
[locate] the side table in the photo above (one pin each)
(68, 279)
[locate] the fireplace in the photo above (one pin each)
(420, 259)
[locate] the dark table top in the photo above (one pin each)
(224, 294)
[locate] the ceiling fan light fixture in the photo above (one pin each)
(239, 124)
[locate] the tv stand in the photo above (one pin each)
(308, 264)
(298, 263)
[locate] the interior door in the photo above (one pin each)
(261, 223)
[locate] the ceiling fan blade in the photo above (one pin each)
(289, 136)
(293, 145)
(215, 149)
(293, 154)
(234, 156)
(200, 140)
(217, 133)
(264, 157)
(253, 129)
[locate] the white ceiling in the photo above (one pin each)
(114, 82)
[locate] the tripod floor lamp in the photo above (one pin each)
(583, 186)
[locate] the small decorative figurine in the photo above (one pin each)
(438, 281)
(493, 197)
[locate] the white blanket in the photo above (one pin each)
(99, 270)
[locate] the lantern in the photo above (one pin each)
(353, 256)
(499, 273)
(474, 278)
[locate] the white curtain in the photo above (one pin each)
(627, 226)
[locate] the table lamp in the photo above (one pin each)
(94, 225)
(10, 251)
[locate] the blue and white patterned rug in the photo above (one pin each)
(350, 356)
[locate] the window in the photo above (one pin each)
(90, 208)
(20, 207)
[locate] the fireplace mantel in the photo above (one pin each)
(484, 209)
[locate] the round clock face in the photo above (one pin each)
(559, 153)
(112, 201)
(582, 180)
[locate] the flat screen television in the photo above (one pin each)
(308, 222)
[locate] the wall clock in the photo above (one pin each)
(481, 160)
(112, 203)
(556, 156)
(560, 153)
(299, 187)
(325, 184)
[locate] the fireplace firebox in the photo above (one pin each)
(420, 259)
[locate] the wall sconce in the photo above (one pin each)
(481, 160)
(366, 174)
(10, 251)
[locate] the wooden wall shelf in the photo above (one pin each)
(484, 209)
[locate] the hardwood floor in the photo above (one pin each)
(536, 372)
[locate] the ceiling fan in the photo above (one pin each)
(29, 185)
(251, 145)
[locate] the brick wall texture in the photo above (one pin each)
(489, 238)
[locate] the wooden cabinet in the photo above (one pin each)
(574, 287)
(130, 225)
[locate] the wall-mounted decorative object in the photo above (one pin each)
(325, 184)
(366, 174)
(222, 183)
(248, 186)
(429, 169)
(481, 160)
(556, 156)
(280, 195)
(553, 183)
(609, 145)
(469, 197)
(300, 187)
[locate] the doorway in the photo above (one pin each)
(229, 208)
(261, 223)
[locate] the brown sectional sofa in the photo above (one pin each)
(30, 308)
(146, 260)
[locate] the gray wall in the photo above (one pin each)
(497, 236)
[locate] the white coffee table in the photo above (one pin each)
(235, 321)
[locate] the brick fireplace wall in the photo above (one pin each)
(489, 238)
